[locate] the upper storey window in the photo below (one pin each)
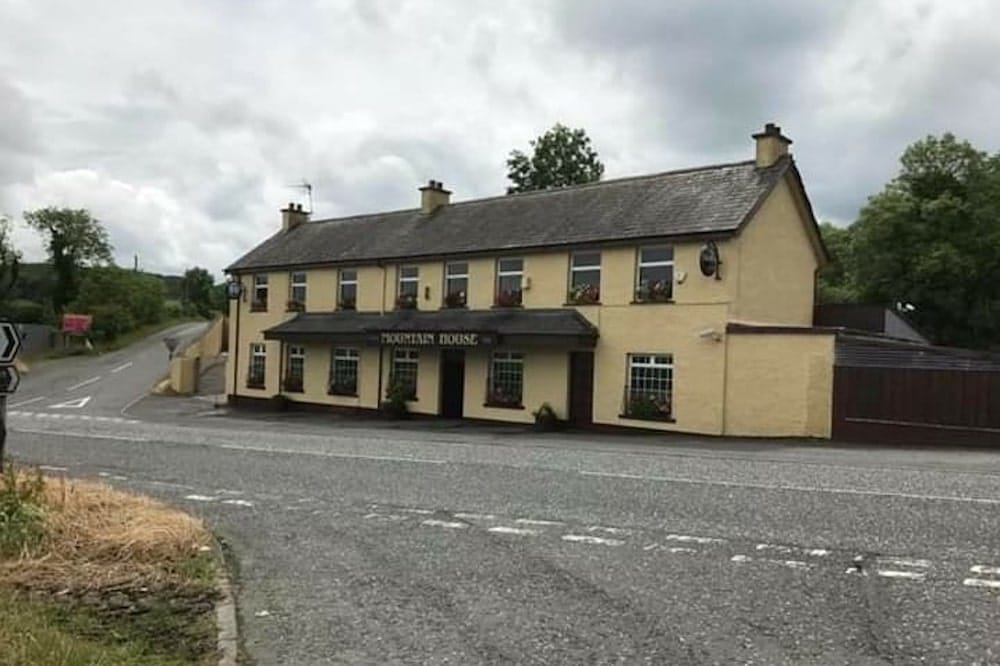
(409, 284)
(585, 278)
(456, 284)
(509, 275)
(347, 296)
(655, 276)
(259, 303)
(297, 291)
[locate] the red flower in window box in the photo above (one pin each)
(406, 302)
(585, 294)
(657, 291)
(508, 298)
(456, 299)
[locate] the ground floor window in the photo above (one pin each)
(344, 372)
(506, 379)
(649, 389)
(404, 371)
(258, 364)
(296, 368)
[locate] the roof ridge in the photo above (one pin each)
(550, 191)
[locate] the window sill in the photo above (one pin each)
(652, 302)
(343, 394)
(445, 306)
(497, 306)
(251, 385)
(572, 304)
(654, 419)
(502, 405)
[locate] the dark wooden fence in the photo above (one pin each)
(909, 394)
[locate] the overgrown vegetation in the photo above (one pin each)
(101, 577)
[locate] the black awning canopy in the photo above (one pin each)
(440, 328)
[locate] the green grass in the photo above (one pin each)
(41, 633)
(102, 347)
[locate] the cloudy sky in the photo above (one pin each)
(183, 124)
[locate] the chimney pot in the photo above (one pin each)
(293, 216)
(772, 145)
(433, 196)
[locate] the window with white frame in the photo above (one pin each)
(297, 290)
(409, 284)
(347, 298)
(506, 379)
(404, 371)
(655, 275)
(258, 365)
(344, 371)
(650, 385)
(295, 369)
(509, 275)
(259, 292)
(585, 278)
(456, 284)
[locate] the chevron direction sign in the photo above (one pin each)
(10, 342)
(9, 379)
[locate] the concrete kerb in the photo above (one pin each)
(225, 613)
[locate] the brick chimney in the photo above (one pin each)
(293, 216)
(771, 145)
(433, 196)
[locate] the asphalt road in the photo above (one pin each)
(434, 544)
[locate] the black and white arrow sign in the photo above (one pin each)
(9, 379)
(10, 342)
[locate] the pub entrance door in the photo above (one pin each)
(581, 388)
(452, 378)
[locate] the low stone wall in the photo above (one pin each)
(186, 365)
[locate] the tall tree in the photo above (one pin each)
(835, 281)
(10, 260)
(560, 157)
(196, 290)
(931, 239)
(73, 240)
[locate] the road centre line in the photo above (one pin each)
(981, 582)
(121, 438)
(983, 569)
(593, 540)
(912, 575)
(533, 521)
(519, 531)
(26, 402)
(793, 488)
(84, 383)
(431, 522)
(123, 366)
(328, 454)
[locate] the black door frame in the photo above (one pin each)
(573, 417)
(451, 357)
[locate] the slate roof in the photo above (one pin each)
(545, 322)
(707, 200)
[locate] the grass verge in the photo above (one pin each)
(113, 578)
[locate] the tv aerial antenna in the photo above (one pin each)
(307, 186)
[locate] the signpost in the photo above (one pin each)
(10, 344)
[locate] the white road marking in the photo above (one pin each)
(688, 538)
(422, 512)
(325, 454)
(983, 569)
(597, 541)
(904, 562)
(518, 531)
(75, 403)
(120, 438)
(796, 564)
(981, 582)
(53, 468)
(27, 402)
(431, 522)
(681, 549)
(532, 521)
(739, 558)
(911, 575)
(818, 552)
(121, 367)
(792, 488)
(237, 502)
(770, 546)
(84, 383)
(475, 516)
(607, 530)
(200, 498)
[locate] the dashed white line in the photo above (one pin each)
(533, 521)
(200, 498)
(681, 549)
(739, 558)
(27, 402)
(517, 531)
(690, 538)
(52, 468)
(85, 382)
(431, 522)
(120, 438)
(793, 488)
(981, 582)
(121, 367)
(237, 502)
(593, 540)
(983, 569)
(904, 562)
(910, 575)
(422, 512)
(475, 516)
(607, 530)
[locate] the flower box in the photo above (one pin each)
(455, 300)
(660, 291)
(648, 407)
(508, 298)
(584, 294)
(295, 306)
(343, 389)
(406, 302)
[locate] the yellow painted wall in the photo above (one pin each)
(317, 373)
(779, 385)
(546, 378)
(777, 264)
(321, 290)
(251, 328)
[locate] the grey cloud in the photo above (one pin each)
(19, 141)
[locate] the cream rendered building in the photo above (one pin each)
(679, 301)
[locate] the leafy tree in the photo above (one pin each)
(931, 239)
(119, 299)
(560, 157)
(74, 240)
(835, 283)
(196, 291)
(10, 260)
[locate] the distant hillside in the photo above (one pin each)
(35, 283)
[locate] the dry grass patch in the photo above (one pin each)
(111, 568)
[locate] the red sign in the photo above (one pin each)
(76, 324)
